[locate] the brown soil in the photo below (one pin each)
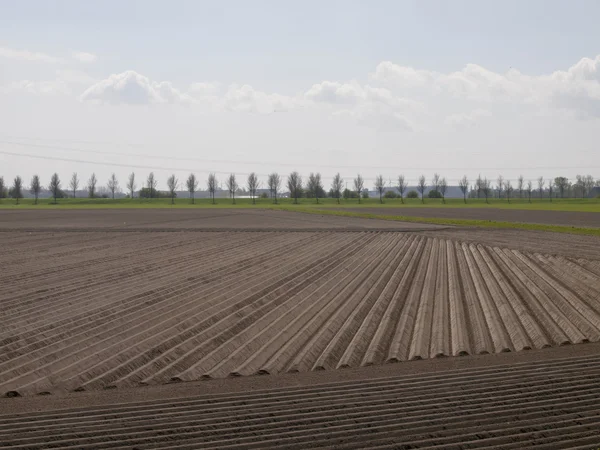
(544, 399)
(567, 218)
(91, 310)
(186, 220)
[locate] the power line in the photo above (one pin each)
(262, 163)
(173, 169)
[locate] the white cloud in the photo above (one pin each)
(133, 88)
(204, 89)
(335, 93)
(26, 55)
(84, 57)
(247, 99)
(388, 72)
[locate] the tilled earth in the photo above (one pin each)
(567, 218)
(109, 305)
(545, 400)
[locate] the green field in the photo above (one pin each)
(581, 205)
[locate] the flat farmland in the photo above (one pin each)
(112, 307)
(186, 220)
(567, 218)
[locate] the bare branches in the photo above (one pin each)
(253, 186)
(91, 187)
(192, 186)
(74, 184)
(151, 183)
(402, 185)
(380, 187)
(294, 183)
(172, 184)
(529, 189)
(55, 186)
(508, 188)
(443, 188)
(435, 182)
(232, 186)
(17, 189)
(36, 187)
(500, 185)
(520, 182)
(463, 184)
(359, 185)
(421, 186)
(211, 184)
(274, 182)
(131, 184)
(486, 187)
(113, 185)
(336, 186)
(541, 183)
(314, 186)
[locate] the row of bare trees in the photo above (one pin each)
(314, 187)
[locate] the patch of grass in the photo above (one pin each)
(456, 222)
(581, 205)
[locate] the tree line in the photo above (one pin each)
(312, 187)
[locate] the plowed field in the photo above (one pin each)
(568, 218)
(549, 404)
(91, 309)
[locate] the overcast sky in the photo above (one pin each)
(390, 87)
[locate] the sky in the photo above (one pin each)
(379, 87)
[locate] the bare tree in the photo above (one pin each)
(74, 184)
(253, 186)
(274, 182)
(36, 187)
(463, 184)
(113, 185)
(192, 186)
(314, 186)
(435, 182)
(443, 188)
(508, 189)
(17, 189)
(131, 184)
(479, 185)
(589, 182)
(541, 183)
(2, 187)
(561, 184)
(55, 186)
(294, 183)
(211, 184)
(336, 186)
(380, 186)
(151, 183)
(91, 188)
(550, 189)
(232, 186)
(402, 185)
(172, 184)
(500, 185)
(486, 188)
(421, 186)
(359, 185)
(529, 189)
(520, 182)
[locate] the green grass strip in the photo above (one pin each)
(457, 222)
